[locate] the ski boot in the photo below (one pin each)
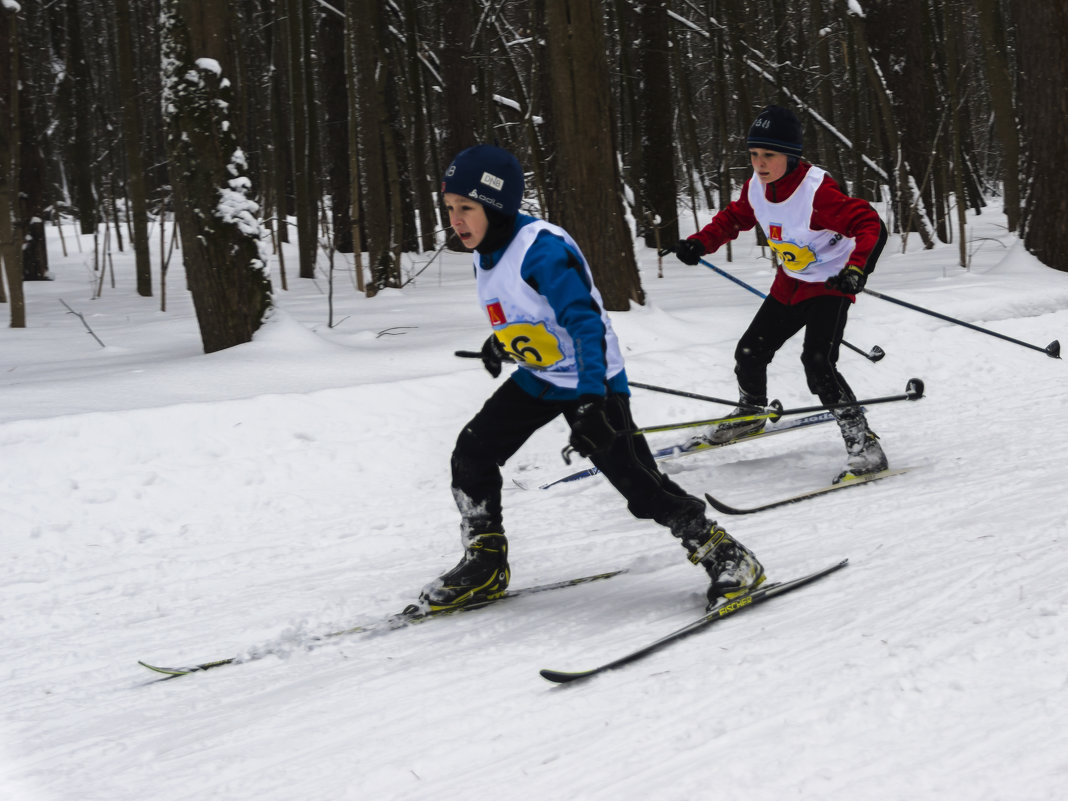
(728, 431)
(482, 575)
(733, 568)
(865, 453)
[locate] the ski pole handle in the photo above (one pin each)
(914, 390)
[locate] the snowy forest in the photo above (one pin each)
(200, 133)
(230, 393)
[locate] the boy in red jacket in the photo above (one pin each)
(826, 244)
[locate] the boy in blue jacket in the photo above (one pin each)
(547, 316)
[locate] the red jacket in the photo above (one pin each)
(832, 210)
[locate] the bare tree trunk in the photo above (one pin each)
(80, 157)
(690, 154)
(219, 227)
(335, 140)
(421, 182)
(303, 176)
(658, 128)
(33, 204)
(590, 205)
(999, 79)
(372, 130)
(955, 100)
(354, 150)
(10, 244)
(130, 88)
(280, 137)
(630, 111)
(905, 190)
(831, 153)
(460, 73)
(1042, 58)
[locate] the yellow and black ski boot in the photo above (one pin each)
(482, 575)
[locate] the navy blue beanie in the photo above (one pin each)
(776, 128)
(488, 174)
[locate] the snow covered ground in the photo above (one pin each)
(157, 503)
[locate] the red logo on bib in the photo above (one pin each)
(496, 314)
(775, 231)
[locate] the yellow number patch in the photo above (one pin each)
(793, 258)
(532, 343)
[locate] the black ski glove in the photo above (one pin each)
(850, 280)
(590, 430)
(689, 251)
(493, 355)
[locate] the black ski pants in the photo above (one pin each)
(823, 318)
(508, 419)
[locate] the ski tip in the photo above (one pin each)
(562, 676)
(166, 671)
(723, 508)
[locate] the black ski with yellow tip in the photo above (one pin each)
(851, 481)
(724, 609)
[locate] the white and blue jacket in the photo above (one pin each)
(539, 295)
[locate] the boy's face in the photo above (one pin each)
(768, 165)
(467, 218)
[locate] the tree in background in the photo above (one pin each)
(588, 197)
(379, 195)
(921, 106)
(1042, 54)
(131, 88)
(10, 240)
(219, 228)
(659, 129)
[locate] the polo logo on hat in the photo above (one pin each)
(492, 181)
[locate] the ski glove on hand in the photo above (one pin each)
(689, 251)
(493, 355)
(590, 430)
(850, 280)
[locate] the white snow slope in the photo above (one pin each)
(162, 504)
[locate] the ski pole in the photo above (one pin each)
(913, 391)
(471, 354)
(872, 355)
(694, 395)
(1053, 349)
